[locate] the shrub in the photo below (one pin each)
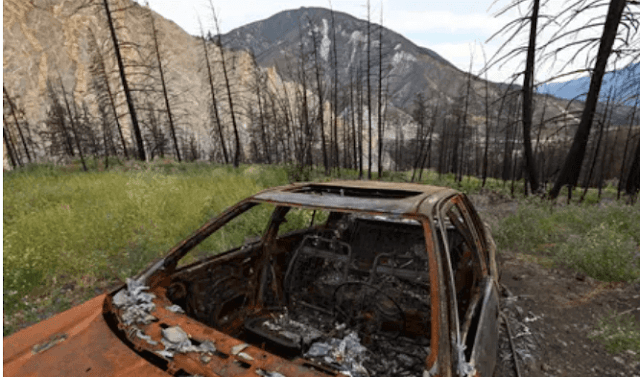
(604, 253)
(601, 241)
(618, 332)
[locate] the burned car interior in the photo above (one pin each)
(334, 291)
(357, 275)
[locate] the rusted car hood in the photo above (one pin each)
(76, 342)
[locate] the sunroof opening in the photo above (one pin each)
(356, 192)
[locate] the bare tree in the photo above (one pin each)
(74, 129)
(573, 162)
(626, 146)
(8, 142)
(380, 125)
(334, 109)
(369, 83)
(319, 93)
(13, 110)
(214, 103)
(238, 146)
(125, 84)
(527, 99)
(102, 87)
(165, 94)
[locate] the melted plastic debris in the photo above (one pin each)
(135, 304)
(176, 339)
(175, 309)
(346, 355)
(265, 373)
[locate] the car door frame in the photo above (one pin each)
(480, 321)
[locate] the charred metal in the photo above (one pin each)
(386, 283)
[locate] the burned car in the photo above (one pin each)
(345, 278)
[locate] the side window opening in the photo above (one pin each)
(245, 229)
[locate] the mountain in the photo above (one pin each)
(408, 68)
(52, 42)
(577, 88)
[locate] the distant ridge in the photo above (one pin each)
(577, 88)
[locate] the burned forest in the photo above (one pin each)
(332, 102)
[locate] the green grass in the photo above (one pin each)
(618, 332)
(600, 241)
(63, 225)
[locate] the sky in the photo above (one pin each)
(457, 30)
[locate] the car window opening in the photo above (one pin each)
(366, 193)
(347, 293)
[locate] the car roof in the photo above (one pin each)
(370, 196)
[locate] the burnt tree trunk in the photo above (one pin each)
(238, 151)
(319, 88)
(573, 163)
(626, 147)
(8, 141)
(73, 126)
(165, 93)
(214, 103)
(527, 101)
(15, 119)
(125, 84)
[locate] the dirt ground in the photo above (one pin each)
(561, 308)
(552, 312)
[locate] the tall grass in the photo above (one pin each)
(66, 225)
(598, 240)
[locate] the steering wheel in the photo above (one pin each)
(368, 310)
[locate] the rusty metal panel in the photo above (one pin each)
(87, 347)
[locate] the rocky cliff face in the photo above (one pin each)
(53, 41)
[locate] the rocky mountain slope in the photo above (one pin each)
(48, 42)
(407, 68)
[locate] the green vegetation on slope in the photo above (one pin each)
(598, 240)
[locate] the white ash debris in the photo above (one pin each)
(135, 304)
(265, 373)
(175, 339)
(133, 330)
(245, 356)
(175, 309)
(297, 332)
(525, 341)
(346, 354)
(239, 348)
